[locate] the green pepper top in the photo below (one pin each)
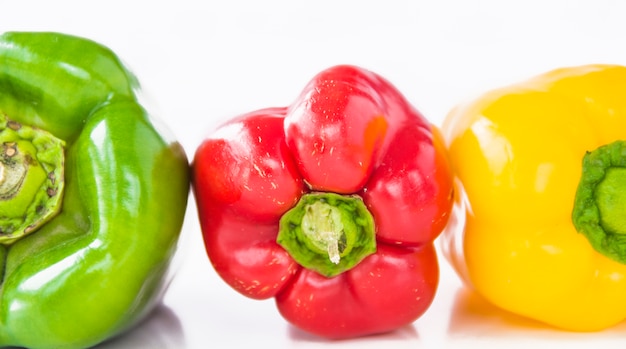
(92, 195)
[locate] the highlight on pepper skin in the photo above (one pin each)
(328, 205)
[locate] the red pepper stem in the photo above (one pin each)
(600, 200)
(321, 224)
(327, 232)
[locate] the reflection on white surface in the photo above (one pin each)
(473, 318)
(162, 330)
(405, 335)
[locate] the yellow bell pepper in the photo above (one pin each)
(540, 226)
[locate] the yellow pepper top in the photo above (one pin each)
(518, 154)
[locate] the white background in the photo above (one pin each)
(203, 62)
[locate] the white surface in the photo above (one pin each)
(203, 62)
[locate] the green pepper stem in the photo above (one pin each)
(12, 173)
(600, 202)
(328, 233)
(31, 178)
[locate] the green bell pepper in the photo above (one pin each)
(92, 194)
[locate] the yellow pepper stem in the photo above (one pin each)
(600, 204)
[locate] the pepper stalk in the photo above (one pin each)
(328, 232)
(31, 178)
(600, 202)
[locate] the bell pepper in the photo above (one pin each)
(539, 222)
(330, 205)
(88, 221)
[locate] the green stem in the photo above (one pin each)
(600, 204)
(31, 179)
(328, 233)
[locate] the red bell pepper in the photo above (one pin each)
(330, 205)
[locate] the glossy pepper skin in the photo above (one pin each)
(540, 219)
(350, 157)
(102, 262)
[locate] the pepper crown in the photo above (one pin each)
(600, 201)
(328, 232)
(31, 178)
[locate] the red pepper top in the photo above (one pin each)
(330, 205)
